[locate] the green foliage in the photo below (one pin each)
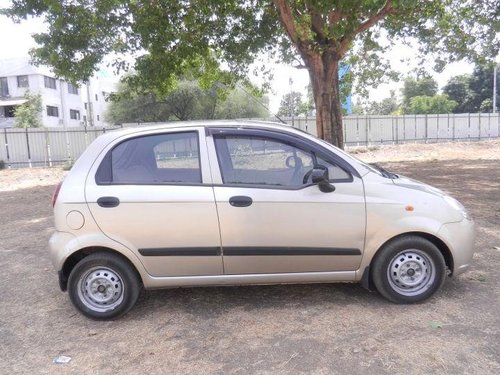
(458, 89)
(473, 92)
(425, 86)
(431, 105)
(28, 114)
(486, 105)
(357, 109)
(292, 105)
(188, 101)
(68, 165)
(241, 103)
(387, 106)
(481, 84)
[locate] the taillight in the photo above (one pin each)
(56, 193)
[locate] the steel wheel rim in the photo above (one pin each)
(411, 272)
(101, 289)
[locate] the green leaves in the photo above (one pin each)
(431, 105)
(186, 100)
(167, 35)
(424, 86)
(28, 114)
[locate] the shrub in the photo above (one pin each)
(67, 166)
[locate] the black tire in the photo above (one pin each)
(408, 269)
(103, 286)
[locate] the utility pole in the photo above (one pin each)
(495, 88)
(90, 114)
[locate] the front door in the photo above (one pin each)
(153, 194)
(272, 218)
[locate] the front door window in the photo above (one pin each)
(262, 161)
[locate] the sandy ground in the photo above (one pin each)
(321, 329)
(486, 150)
(24, 178)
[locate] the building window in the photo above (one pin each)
(96, 98)
(85, 106)
(9, 111)
(4, 87)
(74, 114)
(72, 89)
(98, 118)
(52, 111)
(50, 82)
(22, 81)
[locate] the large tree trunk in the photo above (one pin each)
(323, 72)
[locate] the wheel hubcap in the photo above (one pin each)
(101, 289)
(411, 272)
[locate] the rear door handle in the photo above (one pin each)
(240, 201)
(108, 202)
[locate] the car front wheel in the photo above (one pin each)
(103, 286)
(408, 269)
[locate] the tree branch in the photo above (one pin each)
(317, 22)
(286, 19)
(335, 16)
(365, 25)
(300, 66)
(386, 9)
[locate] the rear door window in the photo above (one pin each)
(153, 159)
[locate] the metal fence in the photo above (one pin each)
(56, 146)
(368, 130)
(45, 146)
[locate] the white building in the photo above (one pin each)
(97, 94)
(63, 104)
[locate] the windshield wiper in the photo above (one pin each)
(384, 171)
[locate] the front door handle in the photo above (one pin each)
(240, 201)
(108, 202)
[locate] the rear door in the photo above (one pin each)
(153, 194)
(272, 218)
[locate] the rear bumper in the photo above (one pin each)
(460, 239)
(59, 248)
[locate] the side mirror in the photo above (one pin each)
(320, 177)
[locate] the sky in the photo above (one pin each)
(16, 41)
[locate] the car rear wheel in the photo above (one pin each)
(409, 269)
(103, 286)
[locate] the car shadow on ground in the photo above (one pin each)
(212, 301)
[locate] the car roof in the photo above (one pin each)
(204, 123)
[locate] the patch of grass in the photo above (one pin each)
(477, 276)
(68, 166)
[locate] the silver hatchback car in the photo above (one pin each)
(231, 203)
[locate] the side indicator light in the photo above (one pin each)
(409, 208)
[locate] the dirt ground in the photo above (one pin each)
(320, 329)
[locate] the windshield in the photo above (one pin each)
(372, 168)
(383, 171)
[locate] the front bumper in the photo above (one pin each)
(460, 239)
